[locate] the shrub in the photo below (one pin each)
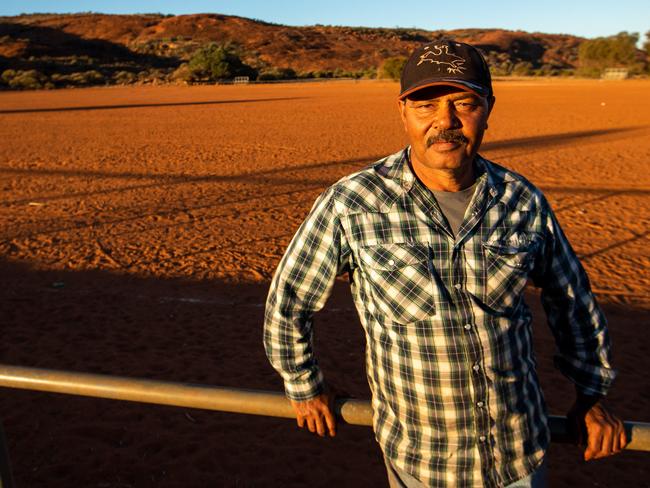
(182, 74)
(154, 76)
(342, 73)
(7, 75)
(25, 80)
(499, 69)
(124, 77)
(567, 72)
(546, 70)
(369, 73)
(523, 68)
(589, 72)
(323, 74)
(91, 77)
(217, 62)
(84, 78)
(277, 74)
(79, 78)
(392, 67)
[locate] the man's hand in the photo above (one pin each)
(317, 413)
(592, 424)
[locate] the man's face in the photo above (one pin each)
(445, 126)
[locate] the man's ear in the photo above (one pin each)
(401, 106)
(490, 102)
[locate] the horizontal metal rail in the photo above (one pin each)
(236, 400)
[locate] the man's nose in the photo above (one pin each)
(445, 117)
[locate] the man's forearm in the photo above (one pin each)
(290, 352)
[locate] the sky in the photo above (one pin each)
(578, 17)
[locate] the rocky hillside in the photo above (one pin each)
(133, 47)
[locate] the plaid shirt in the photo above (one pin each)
(449, 356)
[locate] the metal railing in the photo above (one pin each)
(254, 402)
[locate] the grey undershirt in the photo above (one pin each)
(453, 205)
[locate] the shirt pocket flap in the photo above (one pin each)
(513, 244)
(393, 256)
(514, 250)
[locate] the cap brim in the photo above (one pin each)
(464, 85)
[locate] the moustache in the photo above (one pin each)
(454, 135)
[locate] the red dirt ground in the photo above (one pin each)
(139, 229)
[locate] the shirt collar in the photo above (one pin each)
(396, 167)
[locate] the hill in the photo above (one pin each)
(127, 48)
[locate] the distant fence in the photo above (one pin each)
(615, 74)
(291, 80)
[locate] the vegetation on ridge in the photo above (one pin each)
(617, 51)
(51, 50)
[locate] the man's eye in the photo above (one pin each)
(426, 109)
(466, 105)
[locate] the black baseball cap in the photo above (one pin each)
(446, 62)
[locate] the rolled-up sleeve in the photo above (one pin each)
(300, 287)
(577, 323)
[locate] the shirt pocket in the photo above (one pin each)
(399, 279)
(508, 262)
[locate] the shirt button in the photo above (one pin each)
(391, 262)
(468, 326)
(480, 404)
(458, 286)
(476, 367)
(482, 438)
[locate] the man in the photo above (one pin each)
(439, 244)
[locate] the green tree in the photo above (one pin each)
(617, 51)
(392, 67)
(218, 62)
(25, 80)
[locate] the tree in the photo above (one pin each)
(217, 62)
(392, 67)
(646, 48)
(617, 51)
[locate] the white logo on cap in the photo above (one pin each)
(441, 55)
